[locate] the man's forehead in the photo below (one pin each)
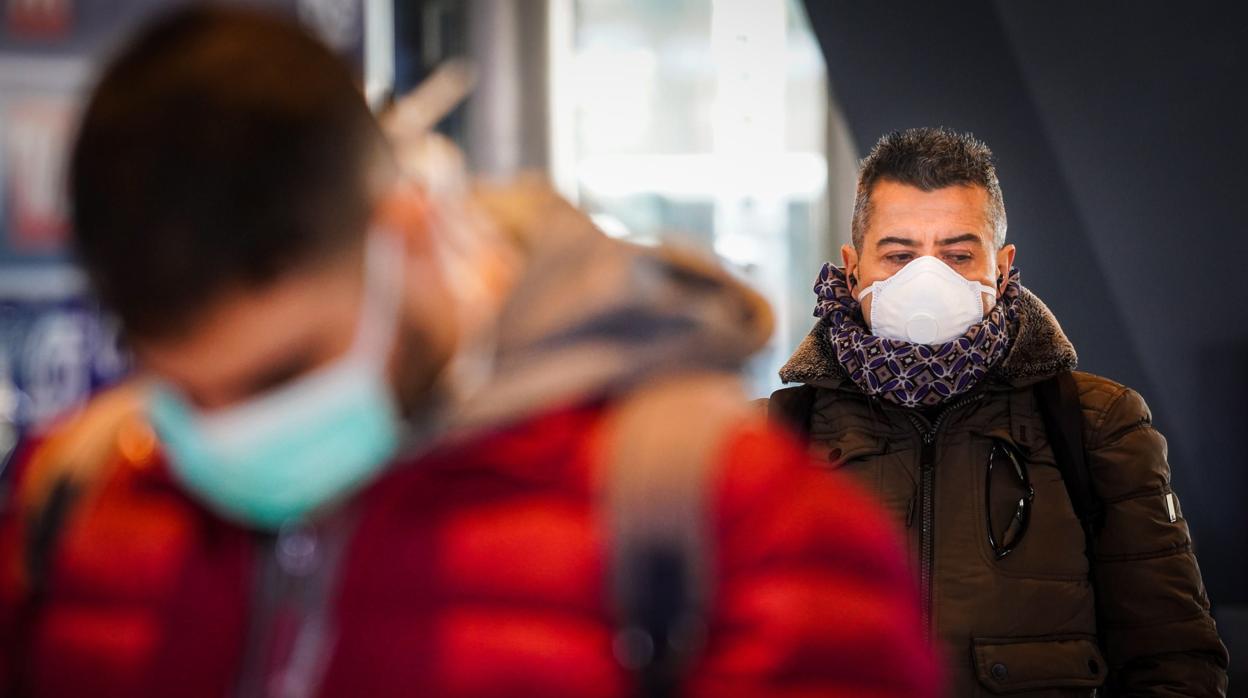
(903, 211)
(252, 339)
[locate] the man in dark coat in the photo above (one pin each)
(1051, 561)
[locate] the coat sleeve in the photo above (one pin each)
(813, 596)
(1153, 612)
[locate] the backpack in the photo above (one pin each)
(662, 441)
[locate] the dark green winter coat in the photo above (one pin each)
(1034, 622)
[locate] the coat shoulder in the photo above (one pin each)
(85, 447)
(1109, 408)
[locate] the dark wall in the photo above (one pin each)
(1119, 130)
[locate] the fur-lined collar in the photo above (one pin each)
(1040, 350)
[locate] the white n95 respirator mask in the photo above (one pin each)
(926, 302)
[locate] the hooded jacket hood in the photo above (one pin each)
(1039, 350)
(592, 316)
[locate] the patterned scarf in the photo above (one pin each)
(906, 374)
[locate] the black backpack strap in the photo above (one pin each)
(1062, 412)
(792, 407)
(57, 475)
(1063, 423)
(662, 445)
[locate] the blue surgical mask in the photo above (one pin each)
(296, 449)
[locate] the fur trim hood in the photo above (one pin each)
(592, 316)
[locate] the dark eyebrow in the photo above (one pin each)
(279, 373)
(893, 240)
(965, 237)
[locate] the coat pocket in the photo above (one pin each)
(848, 446)
(866, 457)
(1044, 665)
(1051, 545)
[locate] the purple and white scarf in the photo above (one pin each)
(907, 374)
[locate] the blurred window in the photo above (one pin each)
(702, 123)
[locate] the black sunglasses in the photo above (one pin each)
(1017, 527)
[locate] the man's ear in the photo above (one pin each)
(404, 210)
(849, 258)
(1005, 262)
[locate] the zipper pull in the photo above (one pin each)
(927, 456)
(914, 500)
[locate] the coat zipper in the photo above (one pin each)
(296, 573)
(927, 514)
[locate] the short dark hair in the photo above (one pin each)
(222, 147)
(929, 159)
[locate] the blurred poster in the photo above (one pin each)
(39, 18)
(39, 102)
(56, 346)
(36, 137)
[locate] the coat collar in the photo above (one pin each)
(1040, 350)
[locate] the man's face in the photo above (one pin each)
(255, 339)
(950, 224)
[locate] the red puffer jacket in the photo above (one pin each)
(475, 571)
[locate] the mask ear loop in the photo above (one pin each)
(383, 292)
(862, 296)
(982, 289)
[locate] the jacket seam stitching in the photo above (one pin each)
(1144, 424)
(1137, 557)
(1100, 423)
(1163, 489)
(996, 640)
(1154, 623)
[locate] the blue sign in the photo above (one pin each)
(56, 346)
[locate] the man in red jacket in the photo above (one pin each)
(304, 494)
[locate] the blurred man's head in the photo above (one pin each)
(225, 179)
(928, 192)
